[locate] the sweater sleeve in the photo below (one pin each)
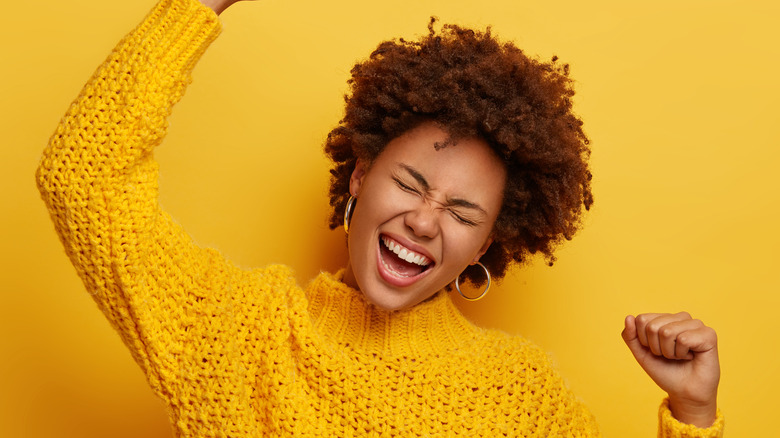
(98, 179)
(669, 427)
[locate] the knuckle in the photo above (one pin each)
(653, 328)
(685, 314)
(683, 339)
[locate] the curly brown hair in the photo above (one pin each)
(472, 84)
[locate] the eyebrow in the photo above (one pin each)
(424, 183)
(416, 175)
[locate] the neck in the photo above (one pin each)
(349, 277)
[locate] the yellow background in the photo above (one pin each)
(680, 100)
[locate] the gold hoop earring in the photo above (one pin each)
(348, 212)
(457, 286)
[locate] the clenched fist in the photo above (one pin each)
(680, 354)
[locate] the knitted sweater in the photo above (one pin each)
(239, 353)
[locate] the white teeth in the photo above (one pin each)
(404, 253)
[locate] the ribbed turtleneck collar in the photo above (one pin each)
(342, 315)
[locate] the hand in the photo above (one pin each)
(218, 5)
(680, 354)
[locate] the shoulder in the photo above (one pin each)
(521, 377)
(274, 276)
(265, 287)
(496, 345)
(514, 360)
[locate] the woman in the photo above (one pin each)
(457, 156)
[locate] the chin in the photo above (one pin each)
(389, 300)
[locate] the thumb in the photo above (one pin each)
(631, 338)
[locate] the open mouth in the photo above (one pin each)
(401, 261)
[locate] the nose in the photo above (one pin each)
(423, 220)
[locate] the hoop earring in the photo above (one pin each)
(348, 212)
(457, 285)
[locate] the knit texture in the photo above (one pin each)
(669, 427)
(239, 353)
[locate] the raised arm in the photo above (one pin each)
(98, 179)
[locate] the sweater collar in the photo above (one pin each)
(342, 315)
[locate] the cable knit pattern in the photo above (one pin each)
(239, 353)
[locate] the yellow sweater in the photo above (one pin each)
(236, 353)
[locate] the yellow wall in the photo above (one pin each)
(680, 100)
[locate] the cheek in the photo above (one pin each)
(371, 212)
(463, 243)
(386, 203)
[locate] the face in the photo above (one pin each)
(422, 215)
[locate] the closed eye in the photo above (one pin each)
(462, 219)
(405, 186)
(453, 205)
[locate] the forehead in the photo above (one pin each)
(468, 166)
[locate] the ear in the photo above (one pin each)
(356, 180)
(482, 250)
